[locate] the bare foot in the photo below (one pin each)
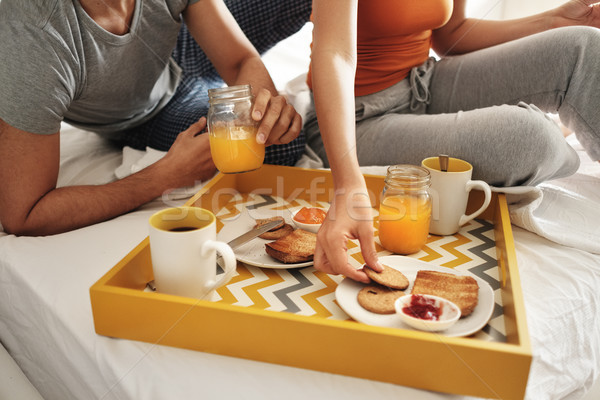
(565, 131)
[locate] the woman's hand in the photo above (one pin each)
(349, 217)
(578, 12)
(279, 121)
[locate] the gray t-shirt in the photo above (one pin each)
(57, 64)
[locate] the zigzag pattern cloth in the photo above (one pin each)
(306, 291)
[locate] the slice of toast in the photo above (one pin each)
(299, 246)
(461, 290)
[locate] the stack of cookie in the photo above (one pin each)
(380, 295)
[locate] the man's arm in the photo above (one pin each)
(237, 61)
(30, 203)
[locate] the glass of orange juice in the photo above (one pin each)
(232, 131)
(405, 209)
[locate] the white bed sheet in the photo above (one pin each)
(46, 320)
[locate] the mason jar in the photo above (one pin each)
(232, 131)
(405, 209)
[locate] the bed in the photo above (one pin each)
(46, 318)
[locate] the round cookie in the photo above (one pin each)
(378, 299)
(262, 221)
(285, 230)
(389, 277)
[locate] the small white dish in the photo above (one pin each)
(426, 312)
(314, 228)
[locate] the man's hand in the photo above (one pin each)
(189, 157)
(279, 121)
(349, 217)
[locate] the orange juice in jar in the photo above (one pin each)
(235, 149)
(405, 209)
(232, 131)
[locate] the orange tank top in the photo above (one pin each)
(393, 37)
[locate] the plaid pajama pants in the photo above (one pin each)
(265, 23)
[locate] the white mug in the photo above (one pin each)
(184, 248)
(450, 193)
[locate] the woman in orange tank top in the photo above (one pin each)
(381, 99)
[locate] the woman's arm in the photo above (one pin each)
(462, 35)
(333, 72)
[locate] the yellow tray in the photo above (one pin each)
(493, 363)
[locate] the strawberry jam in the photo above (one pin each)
(423, 308)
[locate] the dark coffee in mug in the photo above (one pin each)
(183, 229)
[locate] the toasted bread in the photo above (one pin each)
(299, 246)
(461, 290)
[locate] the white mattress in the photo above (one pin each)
(46, 319)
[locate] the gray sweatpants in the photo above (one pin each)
(488, 107)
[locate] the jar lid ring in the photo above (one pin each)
(230, 92)
(408, 175)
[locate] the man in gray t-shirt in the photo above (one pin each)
(124, 69)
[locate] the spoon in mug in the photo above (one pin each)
(443, 162)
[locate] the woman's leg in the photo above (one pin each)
(507, 145)
(265, 23)
(480, 108)
(556, 70)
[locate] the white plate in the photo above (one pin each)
(347, 292)
(253, 252)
